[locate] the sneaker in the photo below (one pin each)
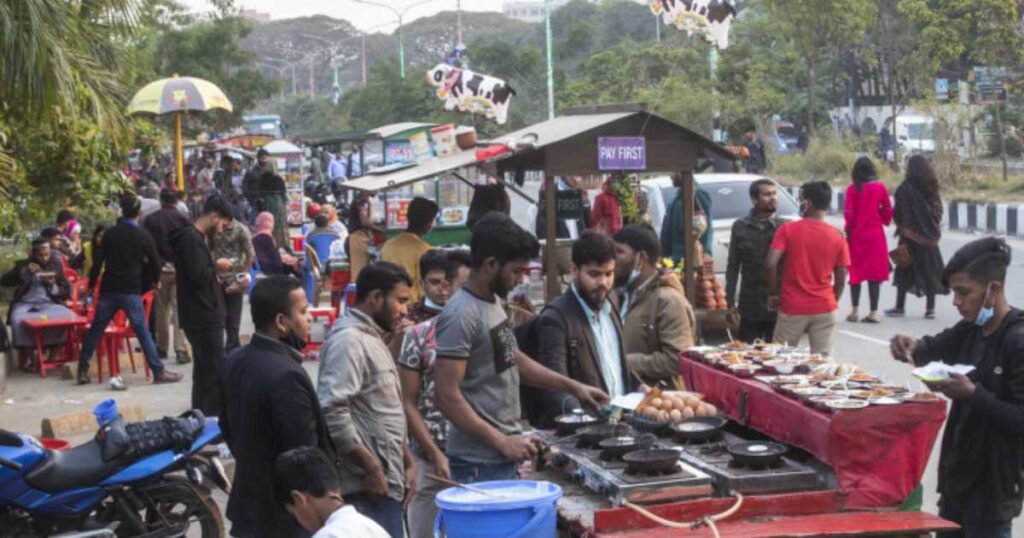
(870, 318)
(117, 383)
(895, 313)
(166, 377)
(181, 357)
(929, 314)
(852, 318)
(83, 377)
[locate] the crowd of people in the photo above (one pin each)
(427, 377)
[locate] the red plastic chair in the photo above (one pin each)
(329, 314)
(119, 333)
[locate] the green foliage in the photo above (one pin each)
(826, 158)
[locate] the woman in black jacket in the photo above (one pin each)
(918, 218)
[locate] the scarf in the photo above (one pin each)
(264, 224)
(918, 217)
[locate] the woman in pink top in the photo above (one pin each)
(867, 210)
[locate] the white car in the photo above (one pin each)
(730, 200)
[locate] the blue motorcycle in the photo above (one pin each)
(76, 493)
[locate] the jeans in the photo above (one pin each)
(751, 330)
(970, 520)
(208, 357)
(233, 307)
(109, 304)
(385, 512)
(467, 472)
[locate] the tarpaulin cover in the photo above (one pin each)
(878, 453)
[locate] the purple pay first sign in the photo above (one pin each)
(621, 153)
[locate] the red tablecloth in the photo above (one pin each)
(878, 453)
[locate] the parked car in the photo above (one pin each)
(787, 136)
(730, 200)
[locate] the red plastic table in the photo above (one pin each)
(879, 453)
(71, 351)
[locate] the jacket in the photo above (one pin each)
(362, 400)
(749, 244)
(269, 406)
(129, 260)
(657, 326)
(672, 225)
(160, 225)
(566, 344)
(20, 278)
(983, 446)
(200, 301)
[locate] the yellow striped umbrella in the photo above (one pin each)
(177, 95)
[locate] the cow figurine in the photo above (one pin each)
(471, 92)
(709, 18)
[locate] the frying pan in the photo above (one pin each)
(653, 461)
(590, 436)
(757, 453)
(614, 448)
(568, 424)
(709, 427)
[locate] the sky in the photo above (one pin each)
(364, 17)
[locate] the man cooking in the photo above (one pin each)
(981, 466)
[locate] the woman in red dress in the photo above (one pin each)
(868, 210)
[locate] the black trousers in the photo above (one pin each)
(233, 320)
(751, 330)
(208, 359)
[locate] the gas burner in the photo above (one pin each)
(675, 471)
(710, 441)
(608, 457)
(711, 448)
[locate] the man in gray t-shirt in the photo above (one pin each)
(479, 366)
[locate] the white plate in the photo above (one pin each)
(885, 400)
(847, 404)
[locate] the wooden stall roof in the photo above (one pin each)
(400, 176)
(567, 145)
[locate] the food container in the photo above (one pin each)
(443, 137)
(465, 137)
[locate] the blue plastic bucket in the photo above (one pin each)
(515, 509)
(105, 411)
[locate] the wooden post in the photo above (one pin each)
(689, 242)
(552, 277)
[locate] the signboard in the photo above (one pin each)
(399, 151)
(398, 212)
(454, 215)
(569, 205)
(621, 153)
(988, 84)
(941, 89)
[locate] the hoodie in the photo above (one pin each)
(983, 446)
(200, 302)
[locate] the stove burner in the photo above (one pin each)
(711, 448)
(714, 440)
(678, 469)
(609, 457)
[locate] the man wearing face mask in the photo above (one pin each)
(578, 334)
(657, 320)
(269, 406)
(981, 466)
(362, 399)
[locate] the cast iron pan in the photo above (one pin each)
(568, 424)
(590, 436)
(704, 428)
(614, 448)
(757, 453)
(653, 461)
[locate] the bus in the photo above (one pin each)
(267, 124)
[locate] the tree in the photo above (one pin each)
(819, 31)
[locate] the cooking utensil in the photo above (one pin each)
(699, 428)
(568, 424)
(590, 436)
(613, 448)
(453, 484)
(757, 453)
(652, 461)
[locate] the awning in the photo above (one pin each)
(402, 175)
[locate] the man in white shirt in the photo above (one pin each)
(306, 483)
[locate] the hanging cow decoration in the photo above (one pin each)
(471, 92)
(709, 18)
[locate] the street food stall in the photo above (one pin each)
(290, 161)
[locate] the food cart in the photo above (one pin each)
(291, 161)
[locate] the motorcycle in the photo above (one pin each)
(77, 494)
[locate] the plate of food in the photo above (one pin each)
(736, 345)
(846, 404)
(921, 397)
(872, 393)
(885, 400)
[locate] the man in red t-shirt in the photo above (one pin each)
(813, 275)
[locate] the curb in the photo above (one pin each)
(962, 216)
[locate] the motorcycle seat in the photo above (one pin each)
(81, 466)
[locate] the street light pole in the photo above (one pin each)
(399, 15)
(551, 70)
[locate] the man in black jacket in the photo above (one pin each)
(131, 266)
(579, 334)
(981, 466)
(200, 302)
(160, 224)
(269, 407)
